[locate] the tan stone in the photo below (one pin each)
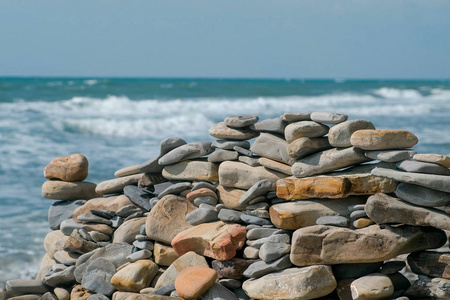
(322, 244)
(54, 241)
(192, 170)
(113, 203)
(222, 131)
(304, 146)
(194, 281)
(242, 176)
(309, 129)
(105, 229)
(79, 293)
(61, 294)
(442, 160)
(298, 214)
(372, 286)
(63, 256)
(203, 192)
(76, 243)
(123, 295)
(292, 284)
(340, 134)
(128, 230)
(186, 260)
(216, 240)
(116, 185)
(164, 255)
(62, 190)
(276, 166)
(362, 222)
(68, 168)
(131, 170)
(369, 139)
(167, 218)
(135, 276)
(230, 197)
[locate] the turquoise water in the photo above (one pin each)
(119, 122)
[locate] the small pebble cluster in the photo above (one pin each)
(314, 207)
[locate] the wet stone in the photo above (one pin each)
(127, 210)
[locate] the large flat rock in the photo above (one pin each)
(322, 244)
(192, 170)
(113, 203)
(68, 191)
(369, 139)
(273, 147)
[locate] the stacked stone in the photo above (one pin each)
(306, 211)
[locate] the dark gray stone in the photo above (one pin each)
(343, 271)
(60, 277)
(274, 238)
(167, 145)
(205, 199)
(138, 196)
(104, 213)
(230, 283)
(116, 221)
(60, 211)
(97, 297)
(271, 251)
(127, 210)
(254, 220)
(422, 196)
(228, 144)
(258, 189)
(261, 268)
(175, 189)
(243, 151)
(97, 277)
(185, 152)
(391, 267)
(69, 225)
(91, 218)
(136, 214)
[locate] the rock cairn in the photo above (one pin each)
(317, 206)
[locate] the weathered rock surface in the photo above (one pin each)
(368, 139)
(308, 129)
(328, 117)
(276, 166)
(167, 145)
(221, 155)
(422, 196)
(294, 283)
(436, 288)
(339, 135)
(186, 152)
(216, 240)
(332, 245)
(295, 117)
(194, 281)
(116, 185)
(135, 276)
(222, 131)
(273, 147)
(294, 215)
(275, 125)
(328, 161)
(68, 191)
(439, 159)
(430, 263)
(422, 167)
(230, 197)
(390, 155)
(68, 168)
(384, 209)
(304, 146)
(113, 203)
(97, 277)
(128, 230)
(168, 218)
(192, 170)
(240, 121)
(373, 286)
(164, 255)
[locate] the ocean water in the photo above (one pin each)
(120, 122)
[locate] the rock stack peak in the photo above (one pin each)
(304, 206)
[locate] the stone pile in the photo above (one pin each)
(317, 206)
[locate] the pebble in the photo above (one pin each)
(390, 155)
(339, 221)
(274, 238)
(185, 152)
(138, 196)
(228, 145)
(134, 215)
(116, 185)
(230, 215)
(260, 213)
(164, 290)
(192, 282)
(69, 225)
(243, 151)
(252, 162)
(358, 214)
(221, 155)
(295, 117)
(240, 121)
(131, 170)
(422, 196)
(362, 222)
(328, 117)
(369, 139)
(164, 255)
(205, 200)
(422, 167)
(202, 215)
(261, 268)
(270, 251)
(373, 286)
(139, 255)
(143, 245)
(308, 129)
(260, 232)
(355, 207)
(175, 189)
(276, 125)
(167, 145)
(222, 131)
(246, 218)
(251, 252)
(99, 237)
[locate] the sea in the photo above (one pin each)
(118, 122)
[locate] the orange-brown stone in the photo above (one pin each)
(68, 168)
(194, 281)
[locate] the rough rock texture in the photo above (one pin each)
(194, 281)
(383, 139)
(191, 170)
(304, 146)
(113, 203)
(68, 168)
(222, 131)
(135, 276)
(273, 147)
(430, 263)
(68, 191)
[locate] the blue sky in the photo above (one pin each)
(205, 38)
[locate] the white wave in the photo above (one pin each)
(90, 81)
(398, 93)
(439, 94)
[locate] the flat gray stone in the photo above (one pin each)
(205, 200)
(260, 232)
(254, 220)
(422, 167)
(340, 134)
(230, 215)
(328, 117)
(260, 188)
(339, 221)
(274, 238)
(167, 145)
(230, 283)
(355, 207)
(295, 117)
(69, 225)
(243, 151)
(201, 215)
(422, 196)
(186, 152)
(260, 213)
(273, 147)
(138, 196)
(218, 292)
(138, 255)
(309, 129)
(143, 245)
(251, 161)
(435, 182)
(175, 189)
(127, 210)
(17, 287)
(228, 145)
(276, 125)
(328, 161)
(390, 155)
(223, 155)
(261, 268)
(204, 184)
(91, 218)
(60, 277)
(97, 297)
(97, 277)
(357, 214)
(222, 131)
(60, 211)
(272, 251)
(241, 121)
(104, 213)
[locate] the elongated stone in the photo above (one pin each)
(422, 196)
(372, 286)
(439, 159)
(273, 147)
(167, 145)
(435, 182)
(276, 166)
(68, 191)
(328, 161)
(321, 244)
(422, 167)
(116, 185)
(186, 152)
(426, 287)
(240, 121)
(328, 117)
(292, 284)
(221, 155)
(275, 125)
(242, 176)
(368, 139)
(294, 215)
(131, 170)
(383, 209)
(339, 135)
(390, 155)
(191, 170)
(304, 146)
(229, 144)
(113, 203)
(261, 268)
(295, 117)
(222, 131)
(260, 188)
(309, 129)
